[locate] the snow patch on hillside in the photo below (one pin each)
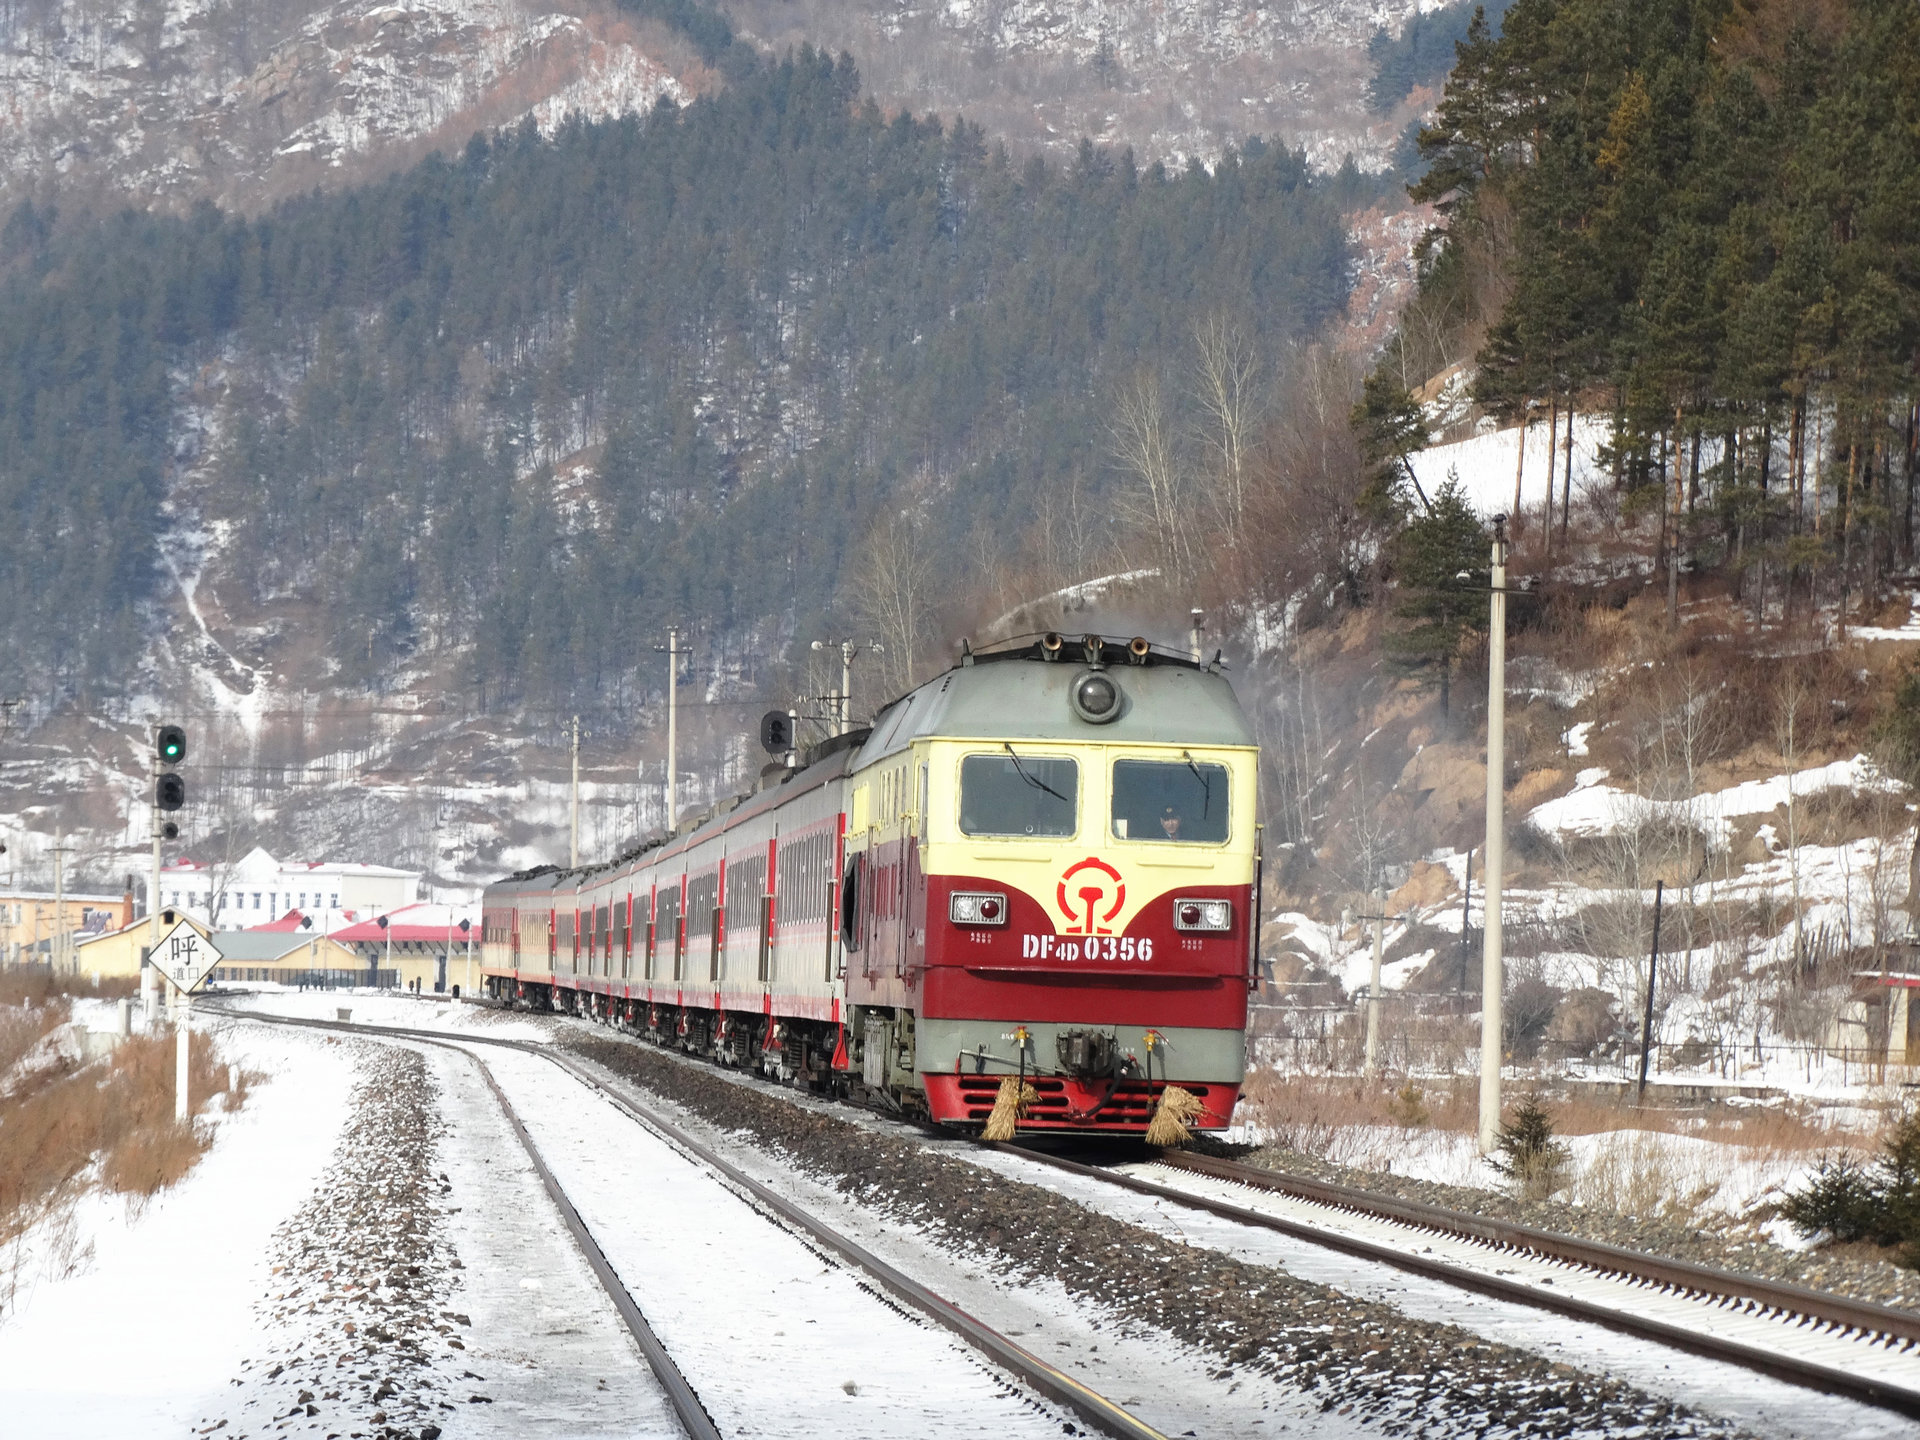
(1487, 463)
(1599, 809)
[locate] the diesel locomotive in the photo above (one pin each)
(1041, 864)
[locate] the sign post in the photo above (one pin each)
(185, 958)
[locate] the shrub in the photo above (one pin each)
(1879, 1203)
(1527, 1154)
(1409, 1107)
(1843, 1201)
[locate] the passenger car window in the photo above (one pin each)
(1178, 801)
(1011, 794)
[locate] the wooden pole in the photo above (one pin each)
(1491, 969)
(1653, 971)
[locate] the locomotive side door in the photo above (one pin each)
(913, 879)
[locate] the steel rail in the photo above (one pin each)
(1878, 1325)
(1682, 1275)
(1811, 1374)
(1049, 1380)
(687, 1405)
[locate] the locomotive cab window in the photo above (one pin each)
(1019, 795)
(1181, 802)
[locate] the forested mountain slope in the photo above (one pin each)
(1699, 221)
(241, 101)
(1171, 77)
(502, 414)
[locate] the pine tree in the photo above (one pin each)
(1430, 556)
(1391, 428)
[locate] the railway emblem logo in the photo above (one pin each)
(1090, 895)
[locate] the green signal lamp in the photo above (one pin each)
(172, 744)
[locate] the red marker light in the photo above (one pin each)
(1189, 914)
(990, 909)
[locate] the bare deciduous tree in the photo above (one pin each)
(1232, 402)
(1792, 698)
(892, 594)
(1154, 502)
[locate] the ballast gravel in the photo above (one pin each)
(1361, 1359)
(360, 1312)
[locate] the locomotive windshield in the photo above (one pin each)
(1181, 801)
(1011, 794)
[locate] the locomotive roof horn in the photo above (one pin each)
(1137, 648)
(1051, 645)
(1095, 648)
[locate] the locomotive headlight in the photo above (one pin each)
(974, 907)
(1202, 915)
(1095, 697)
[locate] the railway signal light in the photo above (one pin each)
(776, 732)
(169, 792)
(171, 744)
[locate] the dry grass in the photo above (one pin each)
(118, 1113)
(33, 986)
(1340, 1118)
(1782, 1131)
(1634, 1172)
(1313, 1104)
(21, 1028)
(1634, 1162)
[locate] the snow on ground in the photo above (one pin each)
(152, 1328)
(1158, 1378)
(545, 1354)
(1852, 893)
(1167, 1387)
(388, 1007)
(758, 1325)
(1596, 808)
(1485, 464)
(1908, 633)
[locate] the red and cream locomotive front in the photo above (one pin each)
(1083, 913)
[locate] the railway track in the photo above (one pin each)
(1804, 1337)
(1043, 1378)
(1800, 1336)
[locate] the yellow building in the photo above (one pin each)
(116, 954)
(286, 957)
(32, 922)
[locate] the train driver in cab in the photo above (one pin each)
(1170, 823)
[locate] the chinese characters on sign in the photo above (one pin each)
(185, 957)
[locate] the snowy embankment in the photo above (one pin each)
(1852, 893)
(155, 1311)
(312, 1275)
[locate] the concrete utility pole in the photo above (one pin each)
(1491, 969)
(573, 846)
(57, 942)
(148, 999)
(843, 702)
(673, 730)
(1373, 988)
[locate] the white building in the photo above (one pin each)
(258, 888)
